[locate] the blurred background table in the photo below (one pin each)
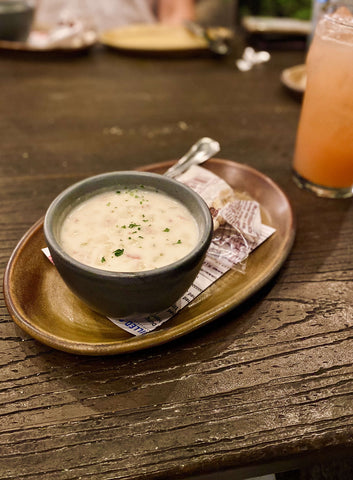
(267, 387)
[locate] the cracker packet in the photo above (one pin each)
(237, 221)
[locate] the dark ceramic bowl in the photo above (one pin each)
(121, 294)
(16, 19)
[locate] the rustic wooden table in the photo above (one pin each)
(264, 388)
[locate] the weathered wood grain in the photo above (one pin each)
(269, 382)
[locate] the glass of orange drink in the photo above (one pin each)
(323, 160)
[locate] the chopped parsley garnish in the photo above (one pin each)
(166, 230)
(118, 252)
(118, 191)
(178, 242)
(133, 225)
(102, 259)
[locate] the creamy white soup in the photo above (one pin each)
(129, 230)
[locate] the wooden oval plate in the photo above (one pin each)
(294, 78)
(42, 305)
(153, 38)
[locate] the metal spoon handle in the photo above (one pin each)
(201, 151)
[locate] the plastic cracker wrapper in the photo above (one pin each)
(213, 189)
(238, 230)
(237, 222)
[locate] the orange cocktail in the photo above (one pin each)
(323, 160)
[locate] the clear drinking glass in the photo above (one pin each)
(323, 160)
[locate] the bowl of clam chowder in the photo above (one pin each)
(128, 242)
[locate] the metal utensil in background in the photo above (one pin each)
(201, 151)
(215, 37)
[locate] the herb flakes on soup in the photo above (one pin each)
(129, 230)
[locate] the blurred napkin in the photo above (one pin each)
(73, 34)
